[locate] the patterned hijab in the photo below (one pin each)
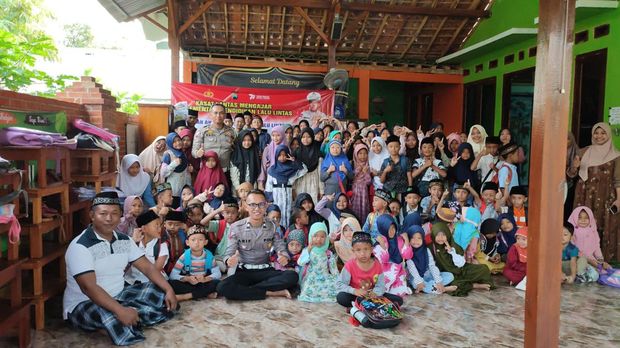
(314, 229)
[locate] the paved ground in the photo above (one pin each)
(590, 317)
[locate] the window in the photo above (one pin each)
(532, 52)
(479, 68)
(521, 55)
(466, 72)
(479, 105)
(601, 30)
(509, 59)
(581, 36)
(493, 64)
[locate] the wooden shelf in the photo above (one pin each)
(92, 162)
(41, 155)
(16, 321)
(51, 252)
(51, 288)
(98, 180)
(42, 228)
(35, 195)
(79, 205)
(35, 236)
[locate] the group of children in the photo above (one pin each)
(440, 214)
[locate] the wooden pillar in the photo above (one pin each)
(331, 55)
(363, 103)
(549, 129)
(173, 41)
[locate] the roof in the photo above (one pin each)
(373, 31)
(127, 10)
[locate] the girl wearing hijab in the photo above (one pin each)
(245, 164)
(336, 170)
(278, 137)
(454, 140)
(132, 180)
(174, 167)
(319, 276)
(392, 250)
(333, 135)
(280, 179)
(488, 249)
(132, 208)
(598, 187)
(304, 201)
(332, 208)
(423, 274)
(360, 202)
(506, 236)
(477, 138)
(187, 137)
(210, 175)
(586, 237)
(449, 258)
(516, 262)
(151, 158)
(343, 246)
(460, 166)
(378, 154)
(309, 153)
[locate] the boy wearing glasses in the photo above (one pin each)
(250, 243)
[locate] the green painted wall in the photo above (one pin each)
(503, 18)
(611, 42)
(393, 92)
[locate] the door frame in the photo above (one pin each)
(478, 113)
(506, 94)
(577, 82)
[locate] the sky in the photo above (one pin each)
(124, 61)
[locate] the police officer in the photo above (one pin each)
(313, 115)
(250, 243)
(216, 137)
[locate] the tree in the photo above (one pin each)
(78, 35)
(129, 103)
(22, 43)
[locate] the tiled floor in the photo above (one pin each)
(590, 317)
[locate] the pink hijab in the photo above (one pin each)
(586, 238)
(269, 155)
(596, 155)
(128, 221)
(452, 137)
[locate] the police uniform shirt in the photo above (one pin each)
(254, 244)
(218, 140)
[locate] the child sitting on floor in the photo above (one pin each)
(132, 208)
(518, 198)
(217, 230)
(507, 231)
(362, 276)
(147, 236)
(586, 237)
(516, 261)
(575, 269)
(343, 245)
(488, 246)
(299, 221)
(295, 242)
(195, 274)
(466, 233)
(423, 274)
(391, 250)
(319, 275)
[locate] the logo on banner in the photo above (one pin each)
(37, 120)
(259, 97)
(7, 118)
(208, 94)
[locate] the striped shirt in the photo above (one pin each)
(198, 267)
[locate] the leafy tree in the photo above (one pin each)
(129, 103)
(21, 43)
(78, 35)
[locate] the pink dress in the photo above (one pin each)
(394, 274)
(360, 203)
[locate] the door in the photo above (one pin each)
(589, 94)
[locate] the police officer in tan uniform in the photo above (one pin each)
(216, 137)
(250, 244)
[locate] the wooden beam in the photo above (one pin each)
(362, 16)
(474, 4)
(363, 99)
(303, 35)
(245, 31)
(399, 28)
(414, 38)
(266, 35)
(313, 24)
(438, 30)
(145, 13)
(359, 34)
(206, 28)
(202, 9)
(331, 55)
(282, 28)
(415, 10)
(379, 32)
(552, 88)
(319, 4)
(318, 43)
(173, 41)
(226, 24)
(155, 23)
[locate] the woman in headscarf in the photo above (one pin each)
(151, 158)
(378, 153)
(132, 180)
(245, 165)
(360, 202)
(598, 187)
(454, 140)
(343, 246)
(449, 258)
(573, 162)
(391, 251)
(278, 137)
(423, 273)
(174, 167)
(336, 170)
(460, 167)
(309, 153)
(304, 201)
(477, 138)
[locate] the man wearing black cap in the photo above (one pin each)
(95, 297)
(487, 160)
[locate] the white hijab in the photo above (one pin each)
(149, 158)
(477, 146)
(376, 160)
(132, 185)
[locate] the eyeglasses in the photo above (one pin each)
(261, 205)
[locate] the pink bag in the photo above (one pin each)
(94, 130)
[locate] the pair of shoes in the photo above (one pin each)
(580, 279)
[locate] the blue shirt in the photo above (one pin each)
(569, 251)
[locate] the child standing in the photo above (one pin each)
(164, 199)
(319, 275)
(507, 234)
(210, 174)
(427, 167)
(362, 275)
(516, 261)
(343, 246)
(309, 152)
(175, 167)
(449, 258)
(174, 226)
(394, 173)
(245, 161)
(378, 154)
(360, 201)
(195, 274)
(336, 170)
(412, 202)
(488, 253)
(586, 236)
(132, 208)
(508, 171)
(147, 236)
(575, 269)
(280, 179)
(379, 204)
(391, 252)
(423, 273)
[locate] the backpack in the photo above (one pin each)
(610, 277)
(380, 312)
(496, 177)
(187, 261)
